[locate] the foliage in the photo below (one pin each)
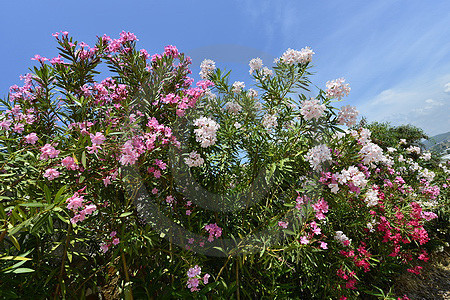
(387, 135)
(145, 184)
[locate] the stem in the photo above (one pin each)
(223, 267)
(128, 292)
(237, 280)
(171, 259)
(63, 261)
(2, 236)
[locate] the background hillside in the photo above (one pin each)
(438, 143)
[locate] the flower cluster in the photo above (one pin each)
(337, 88)
(233, 107)
(113, 240)
(342, 238)
(81, 209)
(353, 178)
(321, 208)
(237, 87)
(214, 231)
(255, 64)
(371, 197)
(205, 134)
(48, 151)
(31, 138)
(371, 153)
(269, 121)
(194, 278)
(291, 56)
(347, 116)
(194, 160)
(51, 174)
(312, 109)
(318, 155)
(207, 67)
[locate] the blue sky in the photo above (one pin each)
(394, 53)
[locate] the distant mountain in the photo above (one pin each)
(438, 143)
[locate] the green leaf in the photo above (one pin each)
(48, 194)
(65, 220)
(125, 214)
(83, 159)
(15, 258)
(59, 193)
(33, 204)
(15, 242)
(39, 223)
(22, 270)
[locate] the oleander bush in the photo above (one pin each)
(131, 181)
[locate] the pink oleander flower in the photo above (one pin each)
(428, 215)
(57, 60)
(195, 271)
(321, 208)
(107, 181)
(144, 53)
(98, 138)
(162, 165)
(31, 138)
(171, 51)
(104, 247)
(5, 124)
(39, 58)
(129, 154)
(116, 241)
(214, 231)
(89, 209)
(69, 163)
(323, 245)
(283, 224)
(206, 278)
(48, 151)
(75, 202)
(19, 128)
(93, 149)
(51, 174)
(304, 240)
(192, 283)
(170, 199)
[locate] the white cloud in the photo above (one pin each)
(447, 88)
(417, 102)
